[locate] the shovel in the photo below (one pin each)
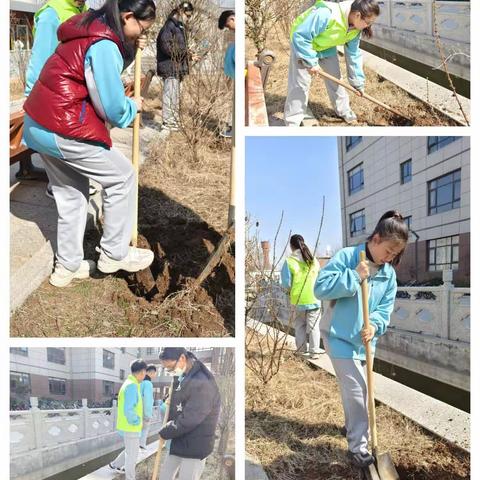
(222, 246)
(144, 278)
(383, 468)
(161, 442)
(327, 76)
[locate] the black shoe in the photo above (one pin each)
(143, 448)
(360, 459)
(343, 431)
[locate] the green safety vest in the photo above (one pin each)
(64, 9)
(122, 422)
(336, 33)
(303, 281)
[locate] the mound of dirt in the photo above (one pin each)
(182, 249)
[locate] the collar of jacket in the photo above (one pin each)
(383, 271)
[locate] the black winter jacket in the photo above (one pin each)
(172, 51)
(194, 411)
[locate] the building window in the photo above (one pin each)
(150, 351)
(436, 143)
(57, 386)
(19, 351)
(108, 359)
(443, 253)
(20, 383)
(350, 142)
(444, 193)
(406, 171)
(108, 388)
(122, 374)
(355, 179)
(408, 221)
(357, 223)
(56, 355)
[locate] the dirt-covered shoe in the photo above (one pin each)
(360, 459)
(61, 277)
(349, 117)
(314, 356)
(117, 469)
(137, 259)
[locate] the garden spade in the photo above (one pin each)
(222, 246)
(143, 279)
(327, 76)
(161, 441)
(383, 468)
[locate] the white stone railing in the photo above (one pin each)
(36, 429)
(442, 312)
(453, 18)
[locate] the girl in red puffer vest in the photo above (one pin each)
(78, 91)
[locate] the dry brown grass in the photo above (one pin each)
(292, 427)
(367, 113)
(16, 89)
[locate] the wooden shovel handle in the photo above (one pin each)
(161, 442)
(368, 351)
(136, 137)
(365, 95)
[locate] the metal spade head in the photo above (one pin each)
(385, 467)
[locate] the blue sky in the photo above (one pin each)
(292, 174)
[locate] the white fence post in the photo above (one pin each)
(86, 418)
(447, 291)
(37, 422)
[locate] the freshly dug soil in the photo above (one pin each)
(368, 113)
(293, 428)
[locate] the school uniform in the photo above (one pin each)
(146, 390)
(129, 425)
(341, 331)
(78, 90)
(314, 38)
(299, 278)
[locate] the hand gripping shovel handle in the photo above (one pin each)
(368, 349)
(365, 95)
(161, 442)
(136, 138)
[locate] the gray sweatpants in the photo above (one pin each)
(171, 102)
(69, 178)
(145, 430)
(307, 322)
(128, 458)
(187, 468)
(351, 379)
(299, 81)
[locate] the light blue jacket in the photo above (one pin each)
(312, 26)
(146, 389)
(103, 66)
(229, 62)
(339, 281)
(45, 43)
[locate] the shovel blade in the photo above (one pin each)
(385, 467)
(370, 473)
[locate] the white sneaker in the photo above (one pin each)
(349, 117)
(227, 133)
(137, 259)
(61, 277)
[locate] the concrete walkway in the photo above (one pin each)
(437, 417)
(33, 220)
(253, 469)
(106, 472)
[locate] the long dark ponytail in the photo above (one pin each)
(392, 227)
(298, 243)
(110, 12)
(366, 8)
